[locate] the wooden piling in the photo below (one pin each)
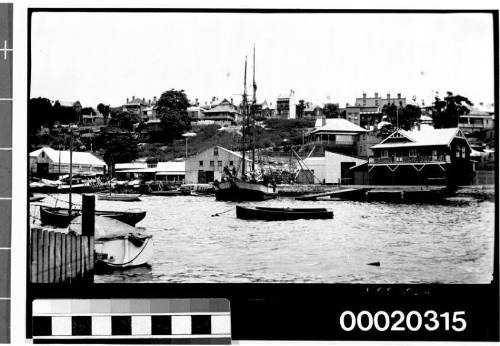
(88, 215)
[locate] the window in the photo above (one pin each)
(216, 151)
(219, 164)
(413, 153)
(201, 163)
(463, 151)
(231, 163)
(211, 164)
(385, 153)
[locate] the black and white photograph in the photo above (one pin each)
(261, 147)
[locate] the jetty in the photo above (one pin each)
(367, 193)
(341, 193)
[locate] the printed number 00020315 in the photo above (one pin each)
(399, 321)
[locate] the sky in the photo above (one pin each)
(107, 57)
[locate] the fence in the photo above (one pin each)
(57, 257)
(61, 258)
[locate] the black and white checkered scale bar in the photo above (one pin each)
(191, 321)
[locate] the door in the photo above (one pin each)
(205, 177)
(346, 176)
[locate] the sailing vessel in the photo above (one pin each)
(234, 189)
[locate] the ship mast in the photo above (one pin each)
(244, 113)
(254, 103)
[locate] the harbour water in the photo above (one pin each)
(449, 242)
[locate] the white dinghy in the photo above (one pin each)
(118, 244)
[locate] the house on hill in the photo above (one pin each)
(336, 134)
(422, 156)
(224, 113)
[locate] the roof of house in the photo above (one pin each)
(136, 102)
(223, 107)
(63, 156)
(426, 136)
(338, 125)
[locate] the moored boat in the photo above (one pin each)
(281, 214)
(120, 197)
(236, 190)
(60, 217)
(36, 198)
(117, 244)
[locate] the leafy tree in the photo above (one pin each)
(331, 110)
(385, 131)
(104, 110)
(172, 110)
(408, 116)
(300, 109)
(446, 112)
(117, 147)
(124, 120)
(391, 110)
(39, 113)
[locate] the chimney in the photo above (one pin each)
(376, 94)
(133, 97)
(364, 95)
(231, 100)
(388, 96)
(127, 99)
(399, 95)
(323, 121)
(418, 127)
(143, 99)
(154, 99)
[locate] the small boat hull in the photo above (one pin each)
(60, 217)
(119, 197)
(37, 198)
(282, 214)
(124, 251)
(243, 191)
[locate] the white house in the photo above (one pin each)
(47, 162)
(333, 168)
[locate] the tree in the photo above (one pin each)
(331, 110)
(385, 131)
(408, 116)
(125, 120)
(117, 147)
(104, 110)
(172, 110)
(391, 110)
(446, 113)
(300, 109)
(39, 113)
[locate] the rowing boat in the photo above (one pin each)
(60, 217)
(275, 214)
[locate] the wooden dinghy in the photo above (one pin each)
(280, 214)
(117, 244)
(123, 197)
(60, 217)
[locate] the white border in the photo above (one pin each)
(19, 167)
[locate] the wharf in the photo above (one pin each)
(381, 193)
